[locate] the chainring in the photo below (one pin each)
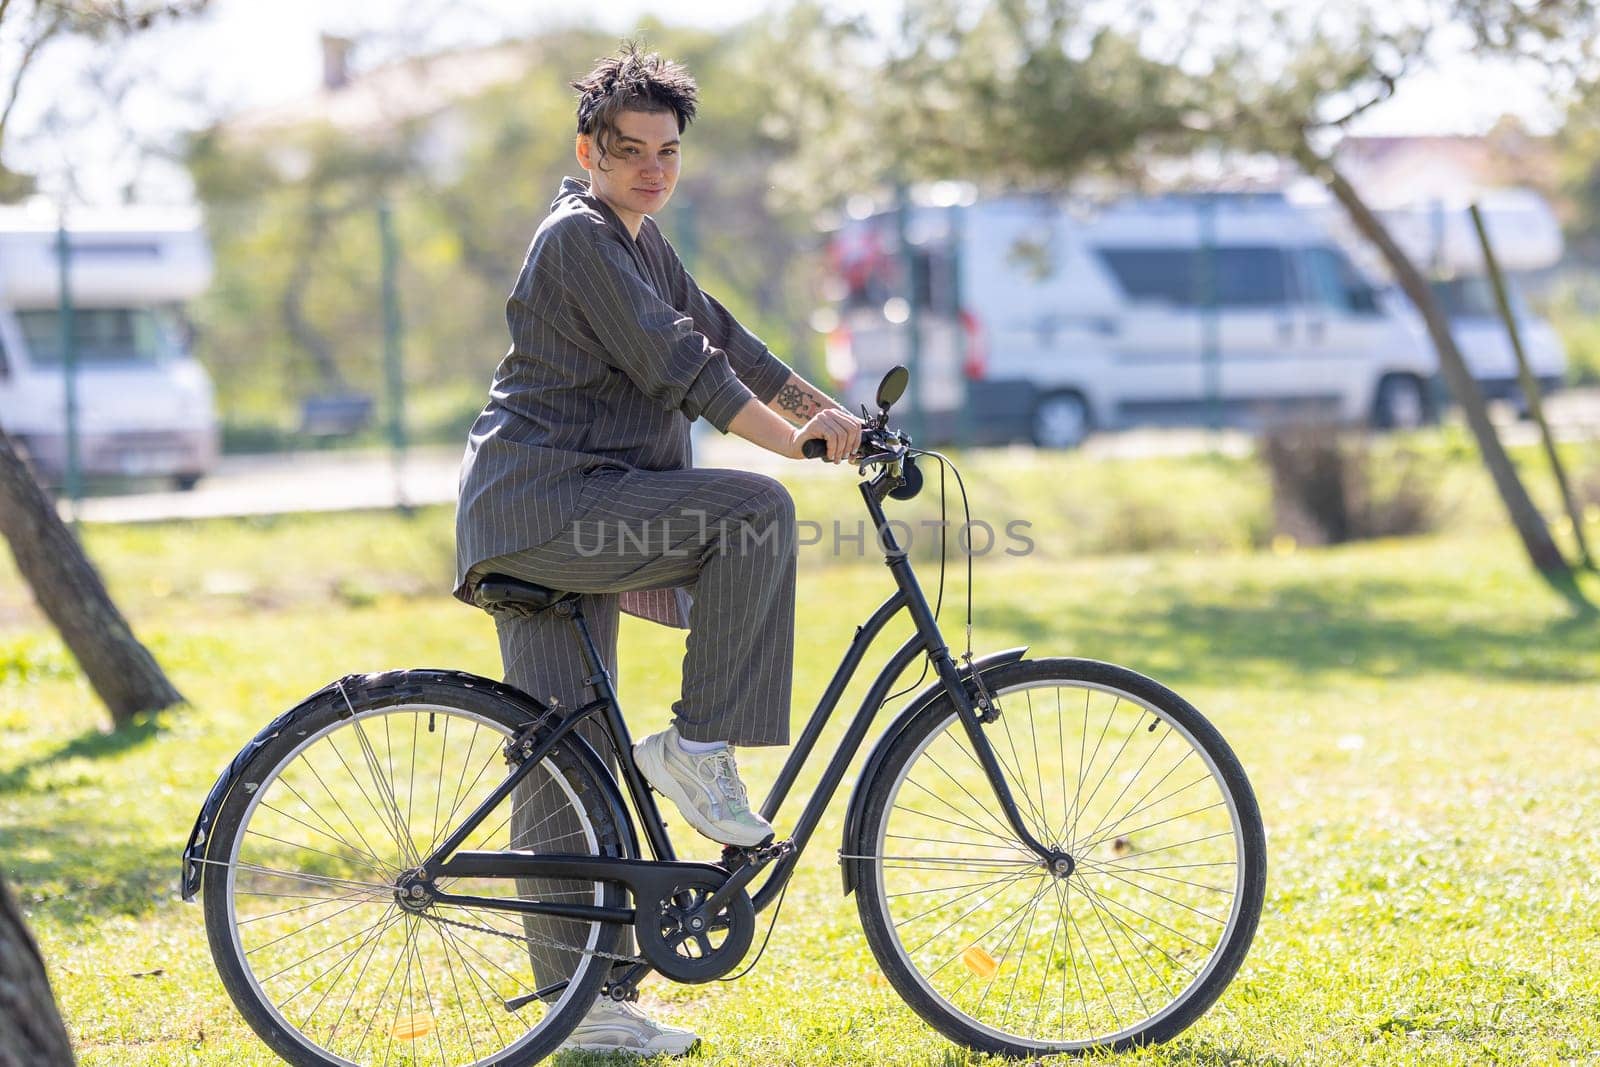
(685, 955)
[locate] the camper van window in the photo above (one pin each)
(1244, 276)
(932, 284)
(1153, 275)
(1473, 298)
(132, 336)
(1251, 277)
(1332, 281)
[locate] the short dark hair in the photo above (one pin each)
(632, 81)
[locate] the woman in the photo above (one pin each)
(578, 475)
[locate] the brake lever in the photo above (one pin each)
(878, 457)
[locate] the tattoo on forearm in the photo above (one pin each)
(799, 403)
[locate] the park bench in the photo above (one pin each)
(335, 414)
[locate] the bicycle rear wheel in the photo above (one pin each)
(1169, 864)
(318, 951)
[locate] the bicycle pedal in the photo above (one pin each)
(759, 855)
(778, 849)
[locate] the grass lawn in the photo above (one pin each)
(1418, 718)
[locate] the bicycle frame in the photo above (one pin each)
(648, 877)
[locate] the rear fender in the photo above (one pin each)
(368, 690)
(880, 751)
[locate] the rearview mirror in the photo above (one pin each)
(892, 387)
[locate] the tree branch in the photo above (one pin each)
(28, 53)
(1387, 83)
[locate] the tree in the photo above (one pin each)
(1333, 79)
(69, 590)
(1578, 146)
(31, 1032)
(63, 580)
(1038, 91)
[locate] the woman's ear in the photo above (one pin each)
(585, 148)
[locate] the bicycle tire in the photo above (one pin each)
(448, 1007)
(1139, 891)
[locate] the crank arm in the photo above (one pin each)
(756, 859)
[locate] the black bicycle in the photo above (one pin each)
(1048, 855)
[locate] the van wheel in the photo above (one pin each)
(185, 482)
(1402, 403)
(1061, 420)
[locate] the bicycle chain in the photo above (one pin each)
(534, 939)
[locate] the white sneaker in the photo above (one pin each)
(617, 1026)
(705, 786)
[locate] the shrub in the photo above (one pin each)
(1330, 487)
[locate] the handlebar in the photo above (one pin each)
(881, 445)
(877, 442)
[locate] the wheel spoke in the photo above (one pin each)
(993, 824)
(333, 835)
(1134, 777)
(1159, 822)
(1132, 931)
(1005, 881)
(1143, 806)
(383, 891)
(981, 806)
(1114, 872)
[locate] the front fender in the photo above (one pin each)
(356, 689)
(880, 751)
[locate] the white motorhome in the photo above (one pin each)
(144, 404)
(1441, 237)
(1038, 321)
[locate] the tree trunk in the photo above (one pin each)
(31, 1033)
(1530, 525)
(71, 594)
(293, 303)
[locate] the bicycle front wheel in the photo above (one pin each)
(1137, 940)
(322, 948)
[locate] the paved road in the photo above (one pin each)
(353, 480)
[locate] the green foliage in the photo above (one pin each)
(1575, 314)
(1023, 91)
(295, 309)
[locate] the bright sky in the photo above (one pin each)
(246, 53)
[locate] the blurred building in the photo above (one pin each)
(1408, 170)
(421, 93)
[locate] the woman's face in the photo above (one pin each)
(639, 173)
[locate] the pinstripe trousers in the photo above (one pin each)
(729, 534)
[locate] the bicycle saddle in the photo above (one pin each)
(502, 593)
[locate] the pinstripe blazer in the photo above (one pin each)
(614, 350)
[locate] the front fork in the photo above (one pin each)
(974, 714)
(972, 717)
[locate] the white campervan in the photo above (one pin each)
(144, 405)
(1041, 322)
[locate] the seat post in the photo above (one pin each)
(599, 678)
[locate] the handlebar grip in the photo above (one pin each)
(816, 448)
